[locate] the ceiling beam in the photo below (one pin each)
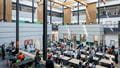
(81, 2)
(39, 2)
(60, 3)
(69, 2)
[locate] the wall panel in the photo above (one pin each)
(8, 10)
(67, 15)
(27, 31)
(91, 13)
(1, 9)
(40, 11)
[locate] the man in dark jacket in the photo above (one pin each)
(37, 60)
(3, 51)
(49, 62)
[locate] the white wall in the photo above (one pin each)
(109, 37)
(89, 30)
(27, 31)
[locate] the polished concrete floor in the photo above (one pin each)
(3, 64)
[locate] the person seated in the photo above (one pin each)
(87, 65)
(116, 57)
(80, 65)
(25, 46)
(0, 50)
(20, 56)
(93, 65)
(12, 50)
(112, 65)
(31, 48)
(3, 51)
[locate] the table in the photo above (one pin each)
(99, 66)
(105, 61)
(74, 61)
(54, 56)
(99, 54)
(28, 54)
(84, 56)
(110, 56)
(25, 62)
(95, 58)
(64, 57)
(84, 51)
(31, 55)
(49, 48)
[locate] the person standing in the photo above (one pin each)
(3, 51)
(49, 62)
(37, 59)
(116, 57)
(80, 65)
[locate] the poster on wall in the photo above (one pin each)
(26, 42)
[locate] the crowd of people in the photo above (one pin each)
(74, 51)
(69, 49)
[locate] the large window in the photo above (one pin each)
(24, 8)
(111, 11)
